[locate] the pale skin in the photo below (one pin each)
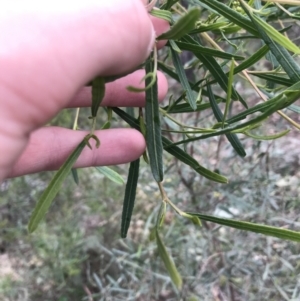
(49, 50)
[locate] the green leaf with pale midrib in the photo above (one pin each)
(184, 157)
(276, 106)
(129, 197)
(183, 26)
(248, 62)
(214, 68)
(207, 51)
(283, 57)
(75, 175)
(232, 138)
(275, 35)
(168, 262)
(280, 80)
(51, 191)
(252, 227)
(186, 108)
(262, 107)
(162, 14)
(183, 79)
(98, 91)
(153, 132)
(175, 151)
(110, 174)
(231, 15)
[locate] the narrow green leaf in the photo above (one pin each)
(184, 25)
(194, 87)
(252, 227)
(286, 61)
(106, 125)
(183, 79)
(232, 138)
(214, 68)
(129, 198)
(229, 91)
(243, 126)
(184, 157)
(75, 175)
(276, 79)
(252, 59)
(269, 137)
(98, 91)
(110, 174)
(248, 62)
(153, 132)
(174, 46)
(176, 151)
(294, 108)
(283, 57)
(186, 108)
(162, 14)
(274, 34)
(51, 191)
(207, 51)
(231, 14)
(288, 96)
(171, 73)
(161, 216)
(168, 262)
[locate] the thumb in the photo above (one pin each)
(51, 48)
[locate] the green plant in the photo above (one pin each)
(232, 26)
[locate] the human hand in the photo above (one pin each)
(49, 50)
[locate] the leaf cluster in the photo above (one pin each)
(205, 30)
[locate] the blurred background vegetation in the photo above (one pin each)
(77, 254)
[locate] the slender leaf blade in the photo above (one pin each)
(183, 79)
(98, 91)
(283, 57)
(229, 91)
(153, 132)
(248, 62)
(183, 26)
(207, 51)
(162, 14)
(51, 191)
(184, 157)
(276, 79)
(230, 14)
(176, 151)
(214, 68)
(252, 227)
(275, 35)
(75, 175)
(168, 262)
(232, 138)
(129, 198)
(110, 174)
